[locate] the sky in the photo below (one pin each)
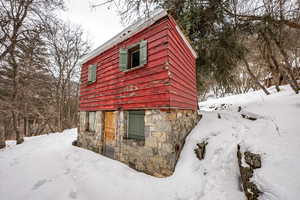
(100, 23)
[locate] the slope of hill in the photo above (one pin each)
(49, 167)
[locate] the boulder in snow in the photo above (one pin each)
(200, 150)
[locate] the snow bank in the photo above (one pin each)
(275, 135)
(49, 167)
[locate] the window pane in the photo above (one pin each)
(136, 59)
(134, 56)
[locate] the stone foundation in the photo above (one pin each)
(91, 140)
(165, 133)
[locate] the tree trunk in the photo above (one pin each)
(287, 67)
(59, 114)
(255, 78)
(277, 86)
(275, 77)
(2, 138)
(290, 81)
(19, 135)
(25, 126)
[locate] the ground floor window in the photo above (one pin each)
(91, 121)
(136, 125)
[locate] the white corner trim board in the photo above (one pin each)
(186, 42)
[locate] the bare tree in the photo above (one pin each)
(274, 20)
(21, 24)
(66, 47)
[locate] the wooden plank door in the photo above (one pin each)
(109, 134)
(110, 127)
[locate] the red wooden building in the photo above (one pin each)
(138, 95)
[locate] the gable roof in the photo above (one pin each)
(137, 26)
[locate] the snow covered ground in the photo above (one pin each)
(49, 167)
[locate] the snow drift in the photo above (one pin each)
(49, 167)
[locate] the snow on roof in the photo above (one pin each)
(137, 26)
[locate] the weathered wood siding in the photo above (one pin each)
(146, 87)
(183, 91)
(168, 79)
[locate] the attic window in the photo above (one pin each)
(133, 56)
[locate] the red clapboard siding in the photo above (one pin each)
(182, 71)
(168, 80)
(146, 87)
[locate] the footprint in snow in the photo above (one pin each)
(73, 195)
(14, 162)
(39, 184)
(216, 133)
(67, 171)
(67, 156)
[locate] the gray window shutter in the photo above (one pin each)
(123, 59)
(143, 52)
(92, 73)
(136, 129)
(89, 74)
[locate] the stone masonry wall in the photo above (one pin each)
(90, 140)
(165, 133)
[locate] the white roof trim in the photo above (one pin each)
(186, 41)
(131, 30)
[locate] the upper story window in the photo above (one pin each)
(133, 56)
(92, 71)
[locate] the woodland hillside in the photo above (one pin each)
(39, 70)
(242, 46)
(64, 171)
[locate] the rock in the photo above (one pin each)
(2, 145)
(74, 143)
(250, 189)
(20, 140)
(179, 114)
(168, 148)
(253, 160)
(160, 136)
(200, 151)
(158, 175)
(239, 109)
(248, 117)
